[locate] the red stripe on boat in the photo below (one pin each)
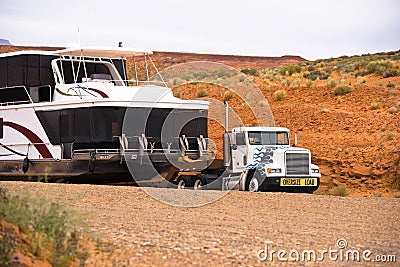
(33, 138)
(104, 95)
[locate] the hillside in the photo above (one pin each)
(353, 136)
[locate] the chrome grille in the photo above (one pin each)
(297, 164)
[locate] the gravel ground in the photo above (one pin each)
(235, 230)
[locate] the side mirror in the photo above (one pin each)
(234, 147)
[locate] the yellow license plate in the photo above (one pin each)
(299, 182)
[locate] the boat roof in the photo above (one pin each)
(102, 51)
(95, 52)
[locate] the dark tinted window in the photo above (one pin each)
(29, 71)
(51, 124)
(3, 72)
(268, 138)
(16, 70)
(33, 70)
(240, 139)
(69, 69)
(15, 94)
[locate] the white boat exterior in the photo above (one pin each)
(48, 99)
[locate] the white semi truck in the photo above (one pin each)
(254, 159)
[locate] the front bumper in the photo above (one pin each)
(291, 184)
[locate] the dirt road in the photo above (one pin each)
(239, 229)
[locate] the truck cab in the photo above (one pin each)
(266, 161)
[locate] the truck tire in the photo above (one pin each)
(184, 182)
(199, 182)
(255, 183)
(252, 184)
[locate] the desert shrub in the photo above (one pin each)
(332, 82)
(322, 75)
(296, 83)
(319, 192)
(280, 95)
(289, 69)
(244, 105)
(375, 106)
(202, 93)
(338, 191)
(228, 95)
(313, 75)
(311, 68)
(382, 68)
(342, 89)
(379, 84)
(360, 64)
(361, 81)
(241, 79)
(339, 100)
(349, 68)
(361, 73)
(219, 73)
(249, 71)
(389, 135)
(390, 85)
(309, 83)
(52, 230)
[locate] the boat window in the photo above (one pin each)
(100, 127)
(74, 71)
(26, 77)
(14, 95)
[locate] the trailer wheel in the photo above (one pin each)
(184, 181)
(199, 182)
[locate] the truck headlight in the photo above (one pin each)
(315, 170)
(270, 170)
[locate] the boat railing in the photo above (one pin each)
(16, 102)
(178, 145)
(127, 82)
(143, 145)
(21, 149)
(143, 83)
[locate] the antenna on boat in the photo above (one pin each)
(79, 37)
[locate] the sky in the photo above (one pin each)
(312, 29)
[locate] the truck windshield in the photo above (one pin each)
(268, 138)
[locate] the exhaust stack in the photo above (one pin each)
(226, 142)
(226, 116)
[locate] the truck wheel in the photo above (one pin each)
(199, 182)
(252, 184)
(184, 181)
